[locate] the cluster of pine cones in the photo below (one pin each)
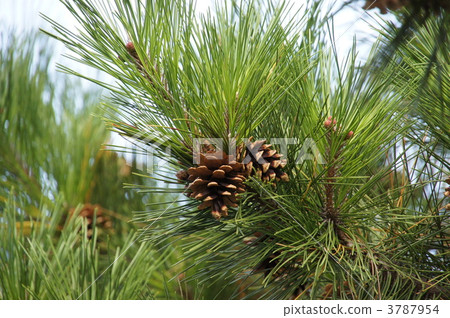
(427, 5)
(219, 178)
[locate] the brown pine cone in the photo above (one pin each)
(264, 162)
(182, 175)
(88, 212)
(384, 5)
(428, 6)
(447, 192)
(216, 181)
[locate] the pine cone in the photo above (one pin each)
(88, 212)
(265, 162)
(217, 181)
(182, 175)
(447, 192)
(428, 6)
(384, 5)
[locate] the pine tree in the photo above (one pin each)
(64, 215)
(361, 213)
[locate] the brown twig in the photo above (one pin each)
(330, 211)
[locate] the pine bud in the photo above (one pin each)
(447, 207)
(132, 50)
(130, 47)
(349, 135)
(447, 180)
(330, 122)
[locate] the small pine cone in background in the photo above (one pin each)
(447, 192)
(431, 6)
(88, 212)
(216, 181)
(384, 5)
(428, 6)
(264, 162)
